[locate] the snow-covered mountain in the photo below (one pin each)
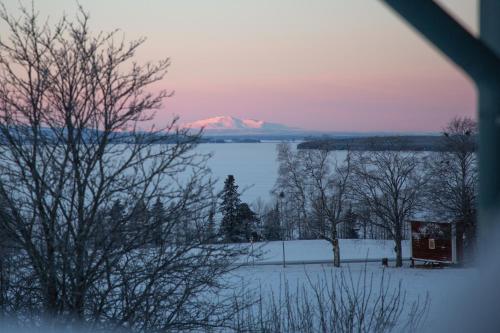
(233, 124)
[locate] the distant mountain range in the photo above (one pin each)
(229, 127)
(233, 125)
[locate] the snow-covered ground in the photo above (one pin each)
(415, 281)
(441, 286)
(320, 251)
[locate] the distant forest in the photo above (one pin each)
(381, 143)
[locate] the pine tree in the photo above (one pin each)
(116, 213)
(349, 225)
(158, 220)
(272, 229)
(247, 224)
(211, 235)
(138, 228)
(229, 209)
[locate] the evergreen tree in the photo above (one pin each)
(115, 213)
(349, 225)
(138, 227)
(158, 220)
(272, 229)
(229, 209)
(247, 224)
(211, 233)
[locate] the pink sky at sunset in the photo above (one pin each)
(332, 65)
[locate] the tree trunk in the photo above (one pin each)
(335, 247)
(51, 302)
(52, 290)
(399, 254)
(79, 288)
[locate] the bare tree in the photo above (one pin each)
(327, 182)
(72, 105)
(316, 185)
(388, 184)
(454, 176)
(290, 189)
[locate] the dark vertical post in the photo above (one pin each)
(489, 124)
(282, 225)
(479, 58)
(283, 244)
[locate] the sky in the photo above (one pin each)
(330, 65)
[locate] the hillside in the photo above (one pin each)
(379, 143)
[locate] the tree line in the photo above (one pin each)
(327, 194)
(363, 194)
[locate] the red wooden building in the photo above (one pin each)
(436, 242)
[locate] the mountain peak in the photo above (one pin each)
(229, 123)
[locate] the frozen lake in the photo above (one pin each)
(253, 165)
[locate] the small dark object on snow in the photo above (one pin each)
(385, 262)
